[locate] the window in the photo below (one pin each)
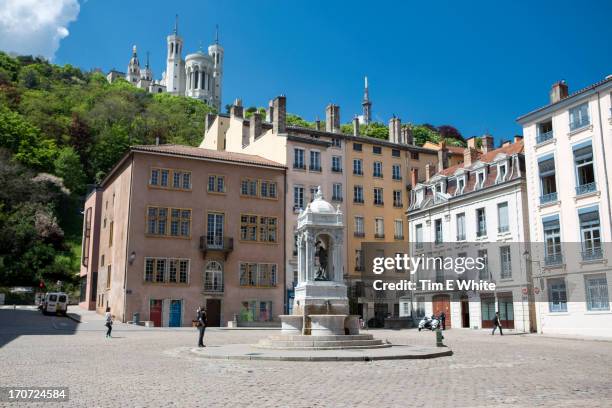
(480, 179)
(552, 240)
(502, 218)
(298, 159)
(585, 172)
(180, 221)
(337, 192)
(313, 192)
(315, 160)
(414, 155)
(216, 184)
(358, 260)
(483, 273)
(357, 167)
(395, 153)
(359, 227)
(298, 197)
(420, 308)
(379, 228)
(108, 277)
(397, 198)
(396, 171)
(590, 233)
(548, 182)
(481, 222)
(166, 270)
(214, 230)
(376, 149)
(256, 311)
(545, 132)
(160, 270)
(557, 295)
(248, 187)
(460, 185)
(250, 225)
(378, 196)
(377, 170)
(336, 142)
(439, 271)
(579, 116)
(597, 292)
(337, 164)
(358, 194)
(111, 227)
(213, 277)
(461, 227)
(398, 229)
(506, 262)
(357, 147)
(262, 275)
(268, 189)
(149, 269)
(181, 180)
(86, 238)
(438, 231)
(418, 235)
(502, 172)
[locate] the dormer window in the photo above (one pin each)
(460, 185)
(480, 179)
(502, 172)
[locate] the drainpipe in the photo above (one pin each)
(603, 150)
(127, 241)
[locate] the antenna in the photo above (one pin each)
(147, 60)
(175, 24)
(217, 34)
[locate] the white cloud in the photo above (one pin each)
(35, 27)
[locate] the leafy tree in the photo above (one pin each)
(422, 134)
(295, 120)
(68, 166)
(375, 129)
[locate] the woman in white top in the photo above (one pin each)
(109, 322)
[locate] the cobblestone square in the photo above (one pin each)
(153, 367)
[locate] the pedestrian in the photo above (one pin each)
(201, 317)
(496, 324)
(109, 322)
(443, 320)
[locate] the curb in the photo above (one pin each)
(74, 319)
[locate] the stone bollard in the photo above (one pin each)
(439, 338)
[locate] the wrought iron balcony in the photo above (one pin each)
(544, 137)
(553, 259)
(359, 234)
(592, 254)
(548, 198)
(398, 237)
(213, 287)
(225, 245)
(586, 188)
(379, 236)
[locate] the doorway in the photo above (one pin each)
(506, 309)
(465, 311)
(155, 312)
(213, 312)
(175, 313)
(441, 303)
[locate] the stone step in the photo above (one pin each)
(290, 337)
(344, 347)
(320, 344)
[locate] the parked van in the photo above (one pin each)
(55, 302)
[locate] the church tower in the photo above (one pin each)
(146, 75)
(366, 104)
(133, 71)
(216, 53)
(175, 66)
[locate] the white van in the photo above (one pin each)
(55, 302)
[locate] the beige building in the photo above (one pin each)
(174, 227)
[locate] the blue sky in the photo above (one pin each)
(476, 65)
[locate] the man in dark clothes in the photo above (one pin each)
(496, 324)
(443, 320)
(201, 317)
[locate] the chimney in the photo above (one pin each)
(414, 177)
(487, 142)
(279, 112)
(471, 142)
(469, 156)
(254, 126)
(355, 126)
(518, 138)
(407, 135)
(236, 110)
(428, 171)
(318, 124)
(442, 156)
(558, 91)
(270, 112)
(395, 129)
(332, 118)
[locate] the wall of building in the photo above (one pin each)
(90, 252)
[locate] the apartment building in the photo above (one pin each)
(475, 209)
(174, 227)
(567, 145)
(366, 177)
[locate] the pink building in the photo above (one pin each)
(175, 227)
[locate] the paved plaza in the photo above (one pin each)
(154, 367)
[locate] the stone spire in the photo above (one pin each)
(133, 71)
(366, 104)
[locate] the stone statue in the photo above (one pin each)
(321, 254)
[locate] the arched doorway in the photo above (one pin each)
(213, 284)
(441, 303)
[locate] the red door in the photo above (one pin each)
(155, 312)
(441, 303)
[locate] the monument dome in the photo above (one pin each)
(319, 205)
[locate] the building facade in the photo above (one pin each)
(567, 145)
(475, 209)
(177, 227)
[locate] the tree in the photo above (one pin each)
(68, 166)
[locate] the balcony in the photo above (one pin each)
(358, 200)
(336, 169)
(553, 259)
(316, 168)
(398, 237)
(299, 166)
(548, 198)
(337, 198)
(592, 254)
(586, 188)
(224, 245)
(544, 137)
(357, 234)
(213, 287)
(379, 236)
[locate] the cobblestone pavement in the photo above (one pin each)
(152, 367)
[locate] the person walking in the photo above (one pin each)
(201, 317)
(443, 320)
(496, 324)
(108, 318)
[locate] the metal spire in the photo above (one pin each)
(217, 34)
(176, 24)
(147, 66)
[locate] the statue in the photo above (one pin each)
(321, 254)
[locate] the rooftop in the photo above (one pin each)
(488, 157)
